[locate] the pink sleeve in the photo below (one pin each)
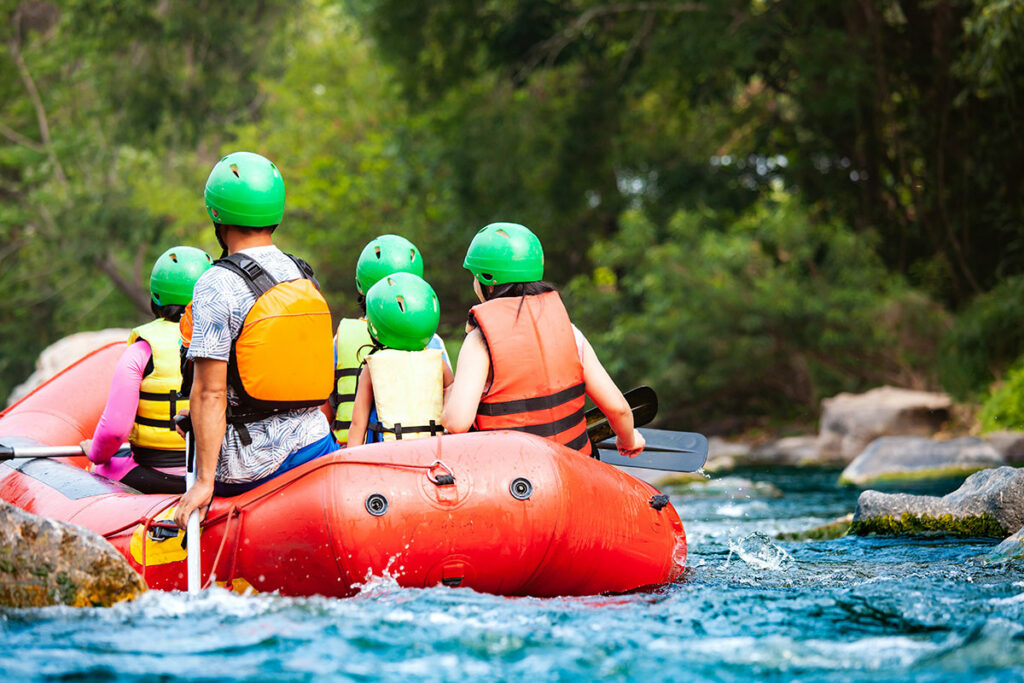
(118, 415)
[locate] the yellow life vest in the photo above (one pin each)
(351, 344)
(158, 394)
(408, 391)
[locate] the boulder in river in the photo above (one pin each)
(790, 451)
(837, 528)
(63, 353)
(725, 455)
(901, 459)
(849, 422)
(44, 562)
(989, 503)
(1008, 444)
(1010, 550)
(723, 487)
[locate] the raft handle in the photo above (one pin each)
(659, 501)
(521, 488)
(446, 479)
(163, 531)
(376, 504)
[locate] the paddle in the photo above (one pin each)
(12, 452)
(192, 562)
(642, 400)
(665, 450)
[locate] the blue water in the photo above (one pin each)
(850, 609)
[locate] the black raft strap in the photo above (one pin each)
(527, 405)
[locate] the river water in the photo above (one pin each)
(750, 607)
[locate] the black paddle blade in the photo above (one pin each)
(642, 400)
(665, 450)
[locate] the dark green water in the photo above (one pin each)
(852, 609)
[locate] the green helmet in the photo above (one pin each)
(402, 312)
(383, 256)
(505, 252)
(175, 274)
(245, 189)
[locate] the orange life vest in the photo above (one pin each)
(283, 357)
(538, 375)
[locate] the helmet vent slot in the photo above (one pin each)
(234, 169)
(376, 252)
(401, 303)
(173, 257)
(502, 233)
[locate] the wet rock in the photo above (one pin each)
(1010, 550)
(44, 562)
(724, 487)
(63, 353)
(1010, 445)
(989, 503)
(837, 528)
(725, 455)
(849, 422)
(894, 459)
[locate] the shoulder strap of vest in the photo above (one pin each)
(255, 277)
(305, 269)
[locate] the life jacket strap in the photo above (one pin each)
(527, 405)
(554, 428)
(433, 428)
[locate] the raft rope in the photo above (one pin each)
(236, 510)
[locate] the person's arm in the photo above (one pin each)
(361, 409)
(606, 396)
(115, 424)
(208, 404)
(468, 384)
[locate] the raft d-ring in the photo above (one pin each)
(447, 478)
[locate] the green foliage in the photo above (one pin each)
(757, 314)
(987, 337)
(1004, 407)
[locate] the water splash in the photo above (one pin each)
(760, 552)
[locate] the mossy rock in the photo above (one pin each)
(910, 524)
(44, 562)
(826, 532)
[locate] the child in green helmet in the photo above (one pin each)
(144, 390)
(402, 378)
(382, 256)
(524, 365)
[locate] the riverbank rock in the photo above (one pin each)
(1010, 445)
(1010, 550)
(895, 459)
(791, 451)
(63, 353)
(837, 528)
(725, 455)
(44, 562)
(849, 422)
(989, 503)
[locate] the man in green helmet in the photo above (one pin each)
(255, 392)
(382, 256)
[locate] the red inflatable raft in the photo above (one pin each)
(500, 512)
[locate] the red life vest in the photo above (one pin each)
(538, 375)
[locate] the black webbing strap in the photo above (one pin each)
(399, 429)
(340, 424)
(552, 428)
(579, 442)
(527, 405)
(171, 397)
(258, 280)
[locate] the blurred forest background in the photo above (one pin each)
(749, 204)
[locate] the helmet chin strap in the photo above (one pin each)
(220, 241)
